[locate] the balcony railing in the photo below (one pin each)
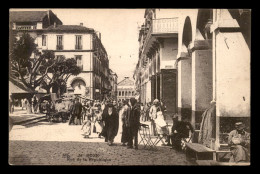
(59, 47)
(165, 25)
(26, 27)
(78, 47)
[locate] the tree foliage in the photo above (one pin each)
(43, 69)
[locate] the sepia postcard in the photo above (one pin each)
(129, 87)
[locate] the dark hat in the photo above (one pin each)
(239, 125)
(133, 101)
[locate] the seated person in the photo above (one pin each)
(180, 131)
(239, 142)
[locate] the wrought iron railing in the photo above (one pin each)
(59, 47)
(78, 47)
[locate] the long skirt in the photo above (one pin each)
(239, 154)
(87, 128)
(125, 134)
(99, 126)
(109, 133)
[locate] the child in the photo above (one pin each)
(86, 127)
(98, 122)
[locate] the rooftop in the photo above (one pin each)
(126, 82)
(74, 28)
(27, 16)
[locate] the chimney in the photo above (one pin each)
(55, 25)
(81, 24)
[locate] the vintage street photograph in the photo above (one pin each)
(129, 87)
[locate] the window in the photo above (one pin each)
(78, 45)
(129, 93)
(59, 42)
(133, 93)
(44, 39)
(122, 93)
(79, 61)
(119, 93)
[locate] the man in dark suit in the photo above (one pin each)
(180, 130)
(133, 122)
(72, 116)
(77, 111)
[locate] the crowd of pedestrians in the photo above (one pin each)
(107, 119)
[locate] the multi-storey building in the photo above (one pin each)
(70, 41)
(125, 89)
(155, 72)
(190, 57)
(113, 83)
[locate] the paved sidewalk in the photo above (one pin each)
(20, 116)
(47, 143)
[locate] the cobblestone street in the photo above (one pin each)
(46, 143)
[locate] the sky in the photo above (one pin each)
(119, 33)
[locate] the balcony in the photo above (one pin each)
(59, 47)
(78, 47)
(26, 27)
(163, 28)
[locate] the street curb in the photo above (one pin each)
(25, 121)
(34, 121)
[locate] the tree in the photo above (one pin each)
(21, 64)
(44, 69)
(55, 72)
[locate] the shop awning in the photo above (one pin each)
(18, 88)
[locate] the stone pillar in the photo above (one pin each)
(184, 87)
(231, 82)
(201, 84)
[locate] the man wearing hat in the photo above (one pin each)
(239, 142)
(77, 111)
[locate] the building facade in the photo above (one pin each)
(125, 89)
(113, 84)
(155, 73)
(70, 41)
(202, 56)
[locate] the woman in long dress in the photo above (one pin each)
(125, 112)
(111, 119)
(98, 120)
